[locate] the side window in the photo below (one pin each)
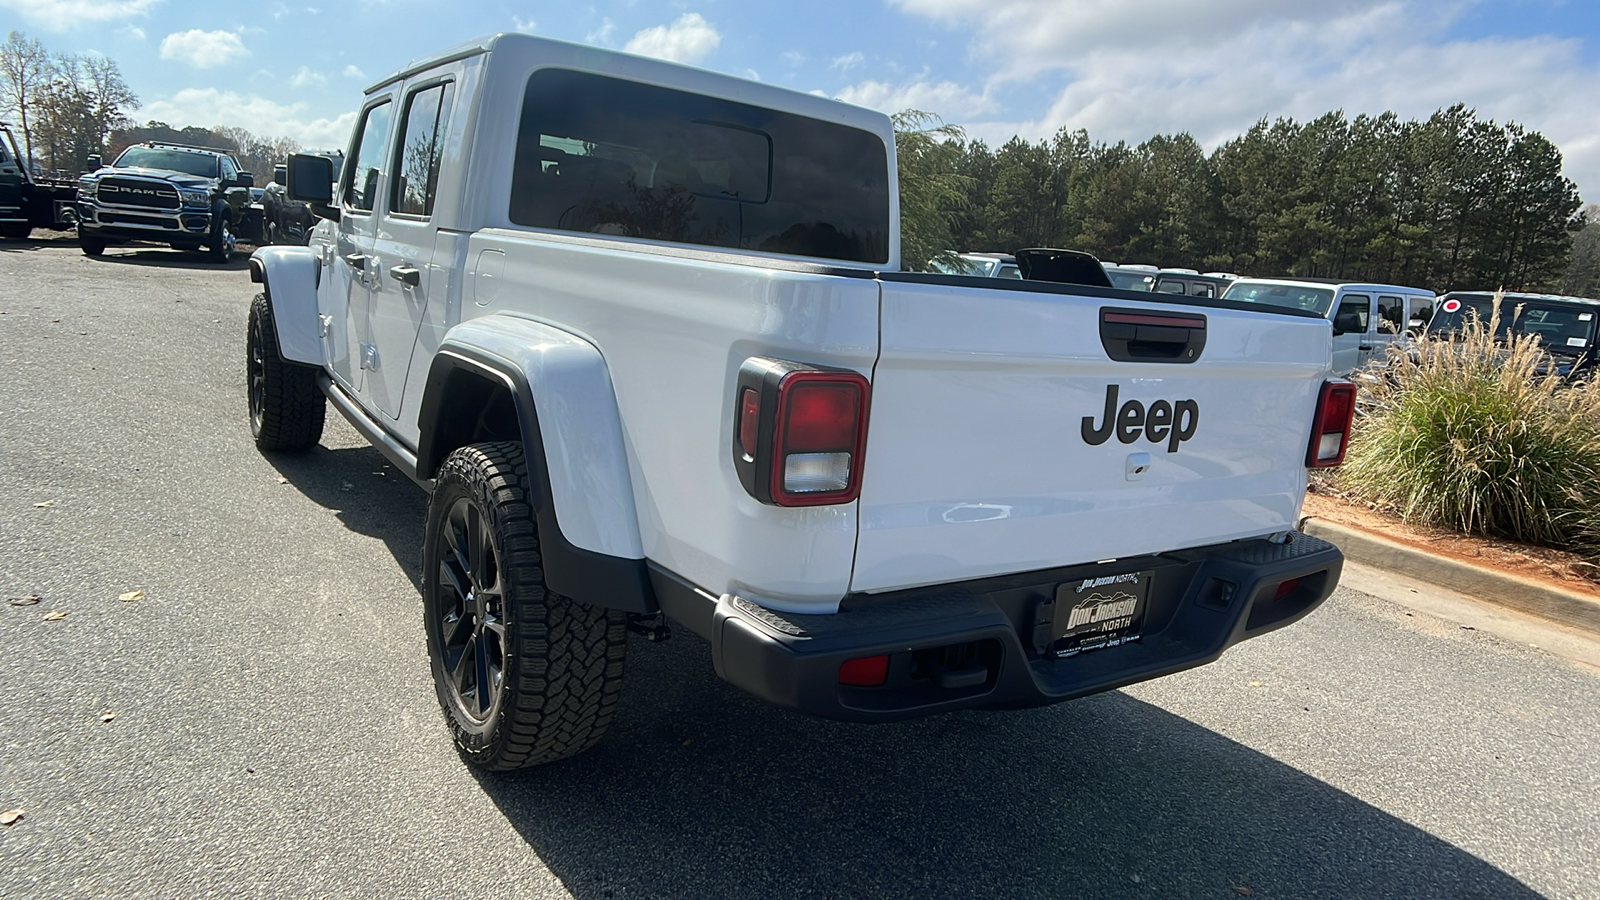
(1391, 315)
(1009, 271)
(1352, 316)
(1201, 289)
(1421, 313)
(1169, 286)
(5, 155)
(361, 183)
(422, 130)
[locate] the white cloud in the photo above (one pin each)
(945, 98)
(351, 71)
(1128, 69)
(132, 31)
(523, 24)
(64, 15)
(306, 78)
(203, 49)
(792, 58)
(603, 34)
(847, 62)
(689, 39)
(210, 107)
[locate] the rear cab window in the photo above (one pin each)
(1288, 296)
(601, 155)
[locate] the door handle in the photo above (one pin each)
(407, 275)
(356, 260)
(1366, 347)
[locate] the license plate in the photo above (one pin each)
(1099, 612)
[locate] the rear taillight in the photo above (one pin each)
(800, 432)
(1330, 430)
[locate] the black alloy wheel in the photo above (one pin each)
(470, 612)
(287, 408)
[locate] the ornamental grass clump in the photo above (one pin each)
(1465, 432)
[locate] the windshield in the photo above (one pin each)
(202, 164)
(1287, 296)
(1559, 326)
(1130, 281)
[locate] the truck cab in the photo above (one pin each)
(1366, 317)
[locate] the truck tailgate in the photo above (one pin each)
(989, 450)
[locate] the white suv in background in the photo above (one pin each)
(1366, 317)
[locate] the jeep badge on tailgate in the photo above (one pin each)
(1172, 422)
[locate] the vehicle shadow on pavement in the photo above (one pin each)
(342, 480)
(172, 259)
(701, 791)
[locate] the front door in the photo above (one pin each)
(345, 322)
(398, 265)
(1352, 340)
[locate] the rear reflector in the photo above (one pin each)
(1330, 430)
(865, 671)
(1285, 588)
(749, 422)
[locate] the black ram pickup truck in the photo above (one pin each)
(189, 198)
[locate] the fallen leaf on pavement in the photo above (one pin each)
(11, 816)
(1255, 684)
(282, 480)
(54, 615)
(107, 716)
(29, 600)
(46, 504)
(1243, 891)
(131, 596)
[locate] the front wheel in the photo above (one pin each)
(220, 247)
(92, 246)
(287, 408)
(525, 676)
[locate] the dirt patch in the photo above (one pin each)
(1564, 570)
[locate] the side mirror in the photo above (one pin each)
(310, 181)
(93, 162)
(280, 174)
(246, 180)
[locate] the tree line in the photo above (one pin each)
(1453, 201)
(68, 107)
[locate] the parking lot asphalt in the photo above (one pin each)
(259, 721)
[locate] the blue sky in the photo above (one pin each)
(1124, 69)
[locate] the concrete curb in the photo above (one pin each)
(1569, 608)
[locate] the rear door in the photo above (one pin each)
(1007, 435)
(400, 254)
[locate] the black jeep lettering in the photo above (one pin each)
(1173, 422)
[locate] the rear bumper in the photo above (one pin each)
(978, 644)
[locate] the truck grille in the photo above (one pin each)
(137, 192)
(145, 221)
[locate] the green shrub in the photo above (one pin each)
(1466, 434)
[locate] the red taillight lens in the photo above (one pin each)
(1285, 588)
(820, 417)
(1330, 431)
(749, 422)
(866, 671)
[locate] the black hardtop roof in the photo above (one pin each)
(1518, 297)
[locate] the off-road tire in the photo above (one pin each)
(287, 408)
(560, 661)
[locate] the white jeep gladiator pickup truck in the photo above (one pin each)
(640, 330)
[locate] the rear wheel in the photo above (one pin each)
(525, 676)
(287, 408)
